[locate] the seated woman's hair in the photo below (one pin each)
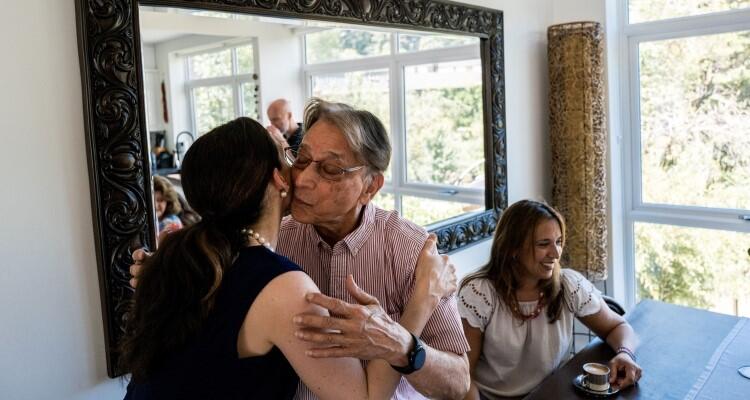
(169, 194)
(224, 175)
(515, 235)
(188, 216)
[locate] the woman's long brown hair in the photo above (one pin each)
(225, 175)
(515, 235)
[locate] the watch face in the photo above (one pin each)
(419, 357)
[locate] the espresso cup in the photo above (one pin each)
(596, 376)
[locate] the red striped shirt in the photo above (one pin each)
(381, 255)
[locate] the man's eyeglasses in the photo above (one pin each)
(327, 169)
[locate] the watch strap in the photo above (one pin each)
(415, 358)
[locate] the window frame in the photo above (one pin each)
(235, 80)
(395, 63)
(635, 210)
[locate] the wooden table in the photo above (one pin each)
(685, 353)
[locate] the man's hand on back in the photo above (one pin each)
(363, 330)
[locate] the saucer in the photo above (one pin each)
(578, 383)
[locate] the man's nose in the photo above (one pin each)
(304, 178)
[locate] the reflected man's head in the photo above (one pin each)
(280, 115)
(340, 164)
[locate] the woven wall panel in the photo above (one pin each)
(578, 142)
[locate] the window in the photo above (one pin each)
(444, 100)
(222, 85)
(688, 157)
(331, 45)
(427, 90)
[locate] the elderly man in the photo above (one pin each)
(280, 115)
(335, 231)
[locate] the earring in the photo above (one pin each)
(283, 194)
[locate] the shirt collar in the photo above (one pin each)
(357, 238)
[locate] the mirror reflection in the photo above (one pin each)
(202, 69)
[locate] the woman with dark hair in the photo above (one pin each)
(167, 205)
(518, 310)
(213, 312)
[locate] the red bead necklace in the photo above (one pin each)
(535, 313)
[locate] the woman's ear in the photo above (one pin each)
(279, 181)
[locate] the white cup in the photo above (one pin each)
(596, 376)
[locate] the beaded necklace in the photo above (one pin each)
(252, 235)
(535, 313)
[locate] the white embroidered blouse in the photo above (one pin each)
(516, 358)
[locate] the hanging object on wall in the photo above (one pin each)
(164, 102)
(578, 142)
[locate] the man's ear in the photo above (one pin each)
(376, 183)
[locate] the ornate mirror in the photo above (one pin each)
(158, 73)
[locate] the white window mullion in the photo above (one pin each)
(692, 219)
(726, 21)
(237, 94)
(399, 203)
(236, 101)
(194, 117)
(634, 125)
(398, 130)
(632, 167)
(224, 80)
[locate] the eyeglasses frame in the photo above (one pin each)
(290, 159)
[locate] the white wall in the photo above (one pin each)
(51, 333)
(578, 10)
(148, 52)
(526, 89)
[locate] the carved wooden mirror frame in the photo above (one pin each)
(110, 58)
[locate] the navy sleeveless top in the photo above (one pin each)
(208, 367)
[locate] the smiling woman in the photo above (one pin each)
(518, 311)
(420, 41)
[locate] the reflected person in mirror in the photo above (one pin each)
(214, 308)
(167, 206)
(282, 121)
(335, 230)
(518, 310)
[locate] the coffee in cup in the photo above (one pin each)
(596, 376)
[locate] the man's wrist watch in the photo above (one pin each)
(416, 358)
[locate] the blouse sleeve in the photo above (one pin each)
(580, 294)
(476, 302)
